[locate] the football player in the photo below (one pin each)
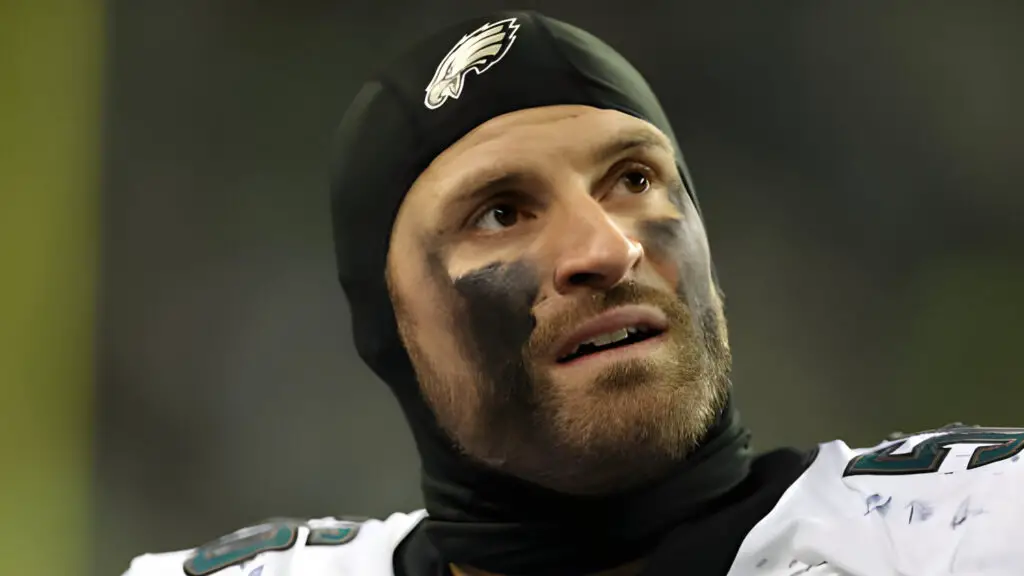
(527, 268)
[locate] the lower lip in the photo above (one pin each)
(635, 350)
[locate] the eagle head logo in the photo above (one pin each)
(476, 52)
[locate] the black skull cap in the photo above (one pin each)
(422, 103)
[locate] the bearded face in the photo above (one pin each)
(552, 284)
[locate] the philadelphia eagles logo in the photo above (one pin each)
(477, 52)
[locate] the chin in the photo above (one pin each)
(615, 437)
(651, 413)
(626, 424)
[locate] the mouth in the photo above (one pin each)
(618, 328)
(618, 339)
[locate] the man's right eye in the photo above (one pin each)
(498, 217)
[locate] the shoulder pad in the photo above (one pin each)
(289, 547)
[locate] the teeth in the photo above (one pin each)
(611, 337)
(605, 339)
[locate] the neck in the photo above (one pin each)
(502, 525)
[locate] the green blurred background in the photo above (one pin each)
(175, 359)
(51, 75)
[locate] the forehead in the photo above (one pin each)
(567, 137)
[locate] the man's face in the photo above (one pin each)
(551, 281)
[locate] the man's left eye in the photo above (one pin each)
(636, 181)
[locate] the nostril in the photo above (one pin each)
(584, 278)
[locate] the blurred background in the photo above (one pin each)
(177, 360)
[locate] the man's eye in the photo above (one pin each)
(498, 217)
(636, 181)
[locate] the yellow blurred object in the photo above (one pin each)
(50, 112)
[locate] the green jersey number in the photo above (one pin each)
(274, 535)
(994, 445)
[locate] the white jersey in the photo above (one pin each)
(943, 502)
(321, 547)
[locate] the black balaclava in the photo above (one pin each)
(398, 123)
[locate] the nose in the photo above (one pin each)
(593, 251)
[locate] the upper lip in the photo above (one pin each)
(633, 315)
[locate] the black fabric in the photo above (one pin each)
(706, 544)
(510, 527)
(702, 544)
(386, 139)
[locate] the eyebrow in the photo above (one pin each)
(478, 188)
(628, 140)
(489, 187)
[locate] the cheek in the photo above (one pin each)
(676, 251)
(426, 315)
(669, 271)
(438, 356)
(499, 295)
(664, 247)
(425, 320)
